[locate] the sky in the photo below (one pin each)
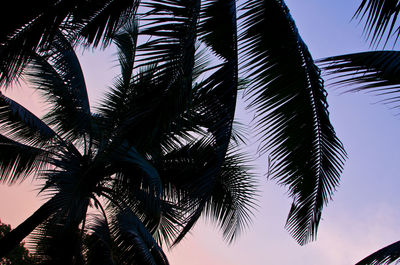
(364, 214)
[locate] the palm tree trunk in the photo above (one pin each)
(12, 239)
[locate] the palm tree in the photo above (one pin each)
(256, 41)
(375, 72)
(150, 166)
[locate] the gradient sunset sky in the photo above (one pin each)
(364, 214)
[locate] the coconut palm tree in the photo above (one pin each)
(256, 41)
(375, 72)
(148, 164)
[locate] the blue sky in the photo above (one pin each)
(364, 214)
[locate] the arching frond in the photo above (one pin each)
(88, 22)
(135, 243)
(58, 75)
(18, 161)
(98, 244)
(386, 255)
(126, 41)
(375, 72)
(380, 19)
(18, 122)
(224, 193)
(218, 30)
(287, 93)
(233, 196)
(100, 20)
(172, 28)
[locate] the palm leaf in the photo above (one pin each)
(57, 241)
(286, 91)
(22, 124)
(128, 158)
(221, 192)
(58, 75)
(22, 39)
(172, 28)
(117, 103)
(386, 255)
(18, 161)
(233, 196)
(100, 20)
(380, 18)
(162, 218)
(375, 72)
(218, 30)
(85, 21)
(126, 41)
(136, 244)
(99, 244)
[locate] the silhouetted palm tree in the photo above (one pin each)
(257, 41)
(148, 163)
(373, 71)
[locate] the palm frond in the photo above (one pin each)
(135, 243)
(128, 159)
(58, 75)
(386, 255)
(233, 197)
(88, 22)
(126, 41)
(287, 93)
(25, 38)
(99, 244)
(58, 242)
(218, 30)
(375, 72)
(224, 193)
(161, 217)
(172, 28)
(18, 161)
(18, 122)
(100, 20)
(380, 19)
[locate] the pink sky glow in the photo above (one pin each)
(364, 214)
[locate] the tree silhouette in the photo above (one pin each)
(19, 255)
(256, 41)
(150, 166)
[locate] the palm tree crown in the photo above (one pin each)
(150, 166)
(256, 41)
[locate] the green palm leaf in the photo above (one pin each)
(287, 93)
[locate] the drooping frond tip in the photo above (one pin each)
(287, 93)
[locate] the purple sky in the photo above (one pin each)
(364, 215)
